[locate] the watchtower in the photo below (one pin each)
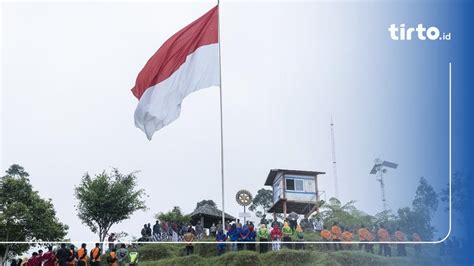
(294, 191)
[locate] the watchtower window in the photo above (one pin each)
(294, 185)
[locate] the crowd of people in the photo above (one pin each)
(275, 235)
(338, 234)
(72, 256)
(237, 236)
(291, 235)
(171, 231)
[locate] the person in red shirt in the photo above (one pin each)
(33, 260)
(275, 235)
(48, 257)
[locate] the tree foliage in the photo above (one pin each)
(411, 221)
(461, 195)
(426, 199)
(24, 215)
(175, 215)
(346, 214)
(262, 200)
(416, 218)
(107, 199)
(424, 205)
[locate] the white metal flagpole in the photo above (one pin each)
(221, 113)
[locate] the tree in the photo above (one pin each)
(107, 199)
(387, 219)
(424, 206)
(426, 199)
(175, 215)
(263, 200)
(347, 214)
(17, 170)
(24, 215)
(411, 221)
(461, 197)
(206, 202)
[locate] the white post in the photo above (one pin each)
(221, 113)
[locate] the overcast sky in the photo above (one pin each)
(67, 109)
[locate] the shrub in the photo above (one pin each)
(244, 258)
(159, 251)
(206, 250)
(193, 260)
(289, 257)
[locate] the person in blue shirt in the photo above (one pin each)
(220, 238)
(239, 235)
(251, 238)
(244, 234)
(233, 234)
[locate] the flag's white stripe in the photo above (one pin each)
(161, 103)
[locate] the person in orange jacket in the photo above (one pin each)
(72, 254)
(82, 255)
(112, 257)
(384, 236)
(400, 237)
(326, 236)
(95, 255)
(369, 247)
(347, 236)
(336, 236)
(416, 238)
(363, 236)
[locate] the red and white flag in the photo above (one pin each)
(186, 62)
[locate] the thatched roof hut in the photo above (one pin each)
(208, 214)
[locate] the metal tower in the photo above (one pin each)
(333, 142)
(379, 169)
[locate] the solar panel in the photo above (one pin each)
(374, 170)
(389, 164)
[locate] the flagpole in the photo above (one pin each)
(221, 113)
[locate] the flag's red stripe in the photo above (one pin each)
(172, 54)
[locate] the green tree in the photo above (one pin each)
(24, 215)
(410, 221)
(387, 219)
(206, 202)
(263, 200)
(345, 214)
(107, 199)
(175, 215)
(426, 199)
(461, 196)
(424, 206)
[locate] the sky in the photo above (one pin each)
(287, 68)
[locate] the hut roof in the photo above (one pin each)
(209, 210)
(272, 174)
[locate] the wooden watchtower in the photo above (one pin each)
(294, 191)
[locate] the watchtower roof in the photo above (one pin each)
(273, 173)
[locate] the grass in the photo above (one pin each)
(314, 254)
(295, 257)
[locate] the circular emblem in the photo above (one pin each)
(243, 197)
